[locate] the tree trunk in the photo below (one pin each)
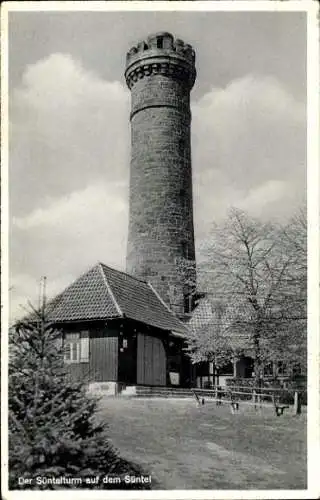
(257, 356)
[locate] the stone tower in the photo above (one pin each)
(160, 72)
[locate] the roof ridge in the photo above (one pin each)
(124, 272)
(163, 303)
(59, 294)
(110, 289)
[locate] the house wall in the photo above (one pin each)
(103, 352)
(126, 352)
(79, 371)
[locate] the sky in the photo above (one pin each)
(69, 146)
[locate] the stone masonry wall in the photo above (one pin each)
(161, 233)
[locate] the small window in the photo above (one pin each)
(282, 368)
(226, 369)
(76, 347)
(159, 43)
(268, 370)
(296, 370)
(84, 347)
(185, 249)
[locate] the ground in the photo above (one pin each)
(188, 447)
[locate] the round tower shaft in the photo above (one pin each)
(160, 73)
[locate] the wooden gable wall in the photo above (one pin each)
(102, 362)
(124, 351)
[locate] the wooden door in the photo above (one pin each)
(128, 358)
(151, 361)
(104, 358)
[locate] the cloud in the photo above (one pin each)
(249, 150)
(264, 200)
(77, 211)
(62, 240)
(86, 226)
(68, 129)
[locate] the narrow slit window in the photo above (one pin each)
(185, 249)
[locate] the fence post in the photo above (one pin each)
(259, 398)
(254, 397)
(297, 403)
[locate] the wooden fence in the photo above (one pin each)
(279, 398)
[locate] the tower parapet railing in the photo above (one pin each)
(161, 54)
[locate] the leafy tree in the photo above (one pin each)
(288, 341)
(254, 273)
(215, 338)
(209, 338)
(53, 428)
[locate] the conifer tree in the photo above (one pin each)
(53, 429)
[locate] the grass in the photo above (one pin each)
(188, 447)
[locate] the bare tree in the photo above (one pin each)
(289, 318)
(256, 272)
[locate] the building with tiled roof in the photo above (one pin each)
(203, 322)
(104, 293)
(118, 331)
(205, 318)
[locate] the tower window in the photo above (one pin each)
(184, 200)
(185, 249)
(159, 43)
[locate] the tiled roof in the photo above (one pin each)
(202, 315)
(204, 319)
(104, 293)
(87, 297)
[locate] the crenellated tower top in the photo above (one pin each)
(161, 54)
